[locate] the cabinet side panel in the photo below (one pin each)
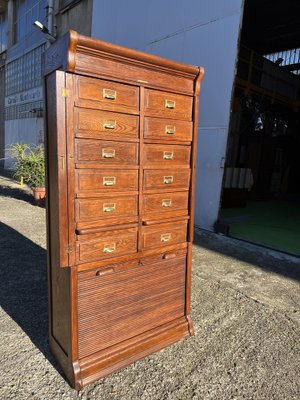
(59, 278)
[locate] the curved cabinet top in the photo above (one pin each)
(83, 55)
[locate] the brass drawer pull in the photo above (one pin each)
(106, 271)
(166, 203)
(171, 104)
(168, 179)
(108, 153)
(165, 237)
(109, 207)
(168, 155)
(170, 129)
(110, 124)
(109, 180)
(109, 94)
(109, 248)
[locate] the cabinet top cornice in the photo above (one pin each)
(68, 51)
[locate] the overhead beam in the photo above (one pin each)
(291, 67)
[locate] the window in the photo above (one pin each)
(22, 77)
(3, 31)
(66, 4)
(26, 12)
(286, 58)
(25, 72)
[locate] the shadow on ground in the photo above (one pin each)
(23, 287)
(18, 194)
(262, 258)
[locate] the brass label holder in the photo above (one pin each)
(110, 124)
(168, 155)
(170, 129)
(109, 207)
(108, 153)
(166, 237)
(109, 248)
(109, 180)
(170, 104)
(166, 203)
(109, 94)
(168, 180)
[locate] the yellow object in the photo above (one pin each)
(22, 181)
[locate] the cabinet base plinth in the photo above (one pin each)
(96, 366)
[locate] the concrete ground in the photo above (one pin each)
(246, 310)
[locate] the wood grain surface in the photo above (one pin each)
(121, 141)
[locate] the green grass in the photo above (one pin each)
(273, 223)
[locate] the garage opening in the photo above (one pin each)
(261, 186)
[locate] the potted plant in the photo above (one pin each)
(29, 166)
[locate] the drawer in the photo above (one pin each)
(89, 151)
(166, 155)
(106, 95)
(165, 202)
(106, 207)
(121, 304)
(90, 182)
(164, 129)
(94, 247)
(166, 179)
(161, 235)
(168, 105)
(105, 125)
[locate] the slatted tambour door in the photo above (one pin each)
(124, 304)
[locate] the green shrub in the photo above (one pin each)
(29, 163)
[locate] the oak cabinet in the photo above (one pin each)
(121, 149)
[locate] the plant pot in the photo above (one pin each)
(39, 194)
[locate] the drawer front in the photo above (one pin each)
(107, 95)
(107, 245)
(166, 156)
(168, 105)
(105, 181)
(105, 125)
(89, 151)
(157, 203)
(163, 235)
(166, 179)
(106, 207)
(124, 304)
(164, 129)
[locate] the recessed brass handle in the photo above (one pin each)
(165, 237)
(108, 153)
(166, 203)
(109, 180)
(110, 124)
(168, 179)
(168, 155)
(109, 248)
(109, 207)
(171, 104)
(170, 129)
(105, 271)
(109, 94)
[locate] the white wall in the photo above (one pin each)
(199, 32)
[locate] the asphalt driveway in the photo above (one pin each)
(246, 310)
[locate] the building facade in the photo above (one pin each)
(198, 32)
(21, 54)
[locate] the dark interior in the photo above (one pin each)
(261, 188)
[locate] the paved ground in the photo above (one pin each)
(246, 309)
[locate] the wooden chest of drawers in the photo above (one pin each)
(121, 150)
